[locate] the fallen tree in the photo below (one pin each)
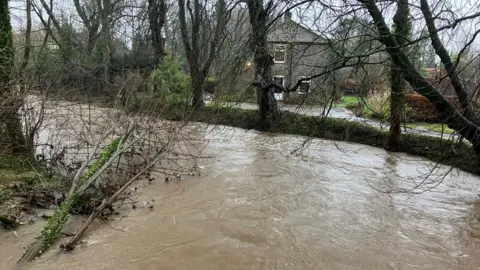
(55, 224)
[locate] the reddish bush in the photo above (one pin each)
(421, 109)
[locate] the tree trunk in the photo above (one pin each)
(397, 104)
(198, 85)
(397, 83)
(14, 132)
(157, 13)
(9, 120)
(263, 64)
(104, 7)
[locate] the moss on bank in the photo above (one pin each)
(446, 152)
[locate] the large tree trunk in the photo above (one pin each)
(263, 64)
(397, 83)
(10, 125)
(455, 119)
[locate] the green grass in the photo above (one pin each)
(429, 147)
(348, 102)
(439, 128)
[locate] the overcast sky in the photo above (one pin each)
(320, 19)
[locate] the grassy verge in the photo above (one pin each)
(447, 152)
(354, 103)
(439, 128)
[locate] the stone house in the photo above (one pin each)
(298, 53)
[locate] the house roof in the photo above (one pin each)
(289, 31)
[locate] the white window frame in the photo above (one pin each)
(284, 49)
(307, 81)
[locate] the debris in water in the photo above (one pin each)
(151, 206)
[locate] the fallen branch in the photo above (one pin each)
(108, 202)
(54, 225)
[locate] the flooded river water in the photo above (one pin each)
(257, 205)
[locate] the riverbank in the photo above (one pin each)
(26, 187)
(459, 155)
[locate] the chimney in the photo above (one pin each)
(288, 16)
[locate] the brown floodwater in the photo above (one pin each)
(259, 204)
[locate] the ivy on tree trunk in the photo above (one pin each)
(11, 128)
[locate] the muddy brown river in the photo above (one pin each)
(257, 205)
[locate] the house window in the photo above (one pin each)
(278, 80)
(304, 87)
(279, 56)
(278, 92)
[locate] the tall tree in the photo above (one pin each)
(201, 51)
(10, 99)
(402, 34)
(263, 62)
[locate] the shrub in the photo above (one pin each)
(378, 105)
(421, 109)
(170, 82)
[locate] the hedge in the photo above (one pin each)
(421, 109)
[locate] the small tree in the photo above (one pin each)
(172, 83)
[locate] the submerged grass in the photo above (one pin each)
(446, 152)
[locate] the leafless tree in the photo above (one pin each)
(200, 43)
